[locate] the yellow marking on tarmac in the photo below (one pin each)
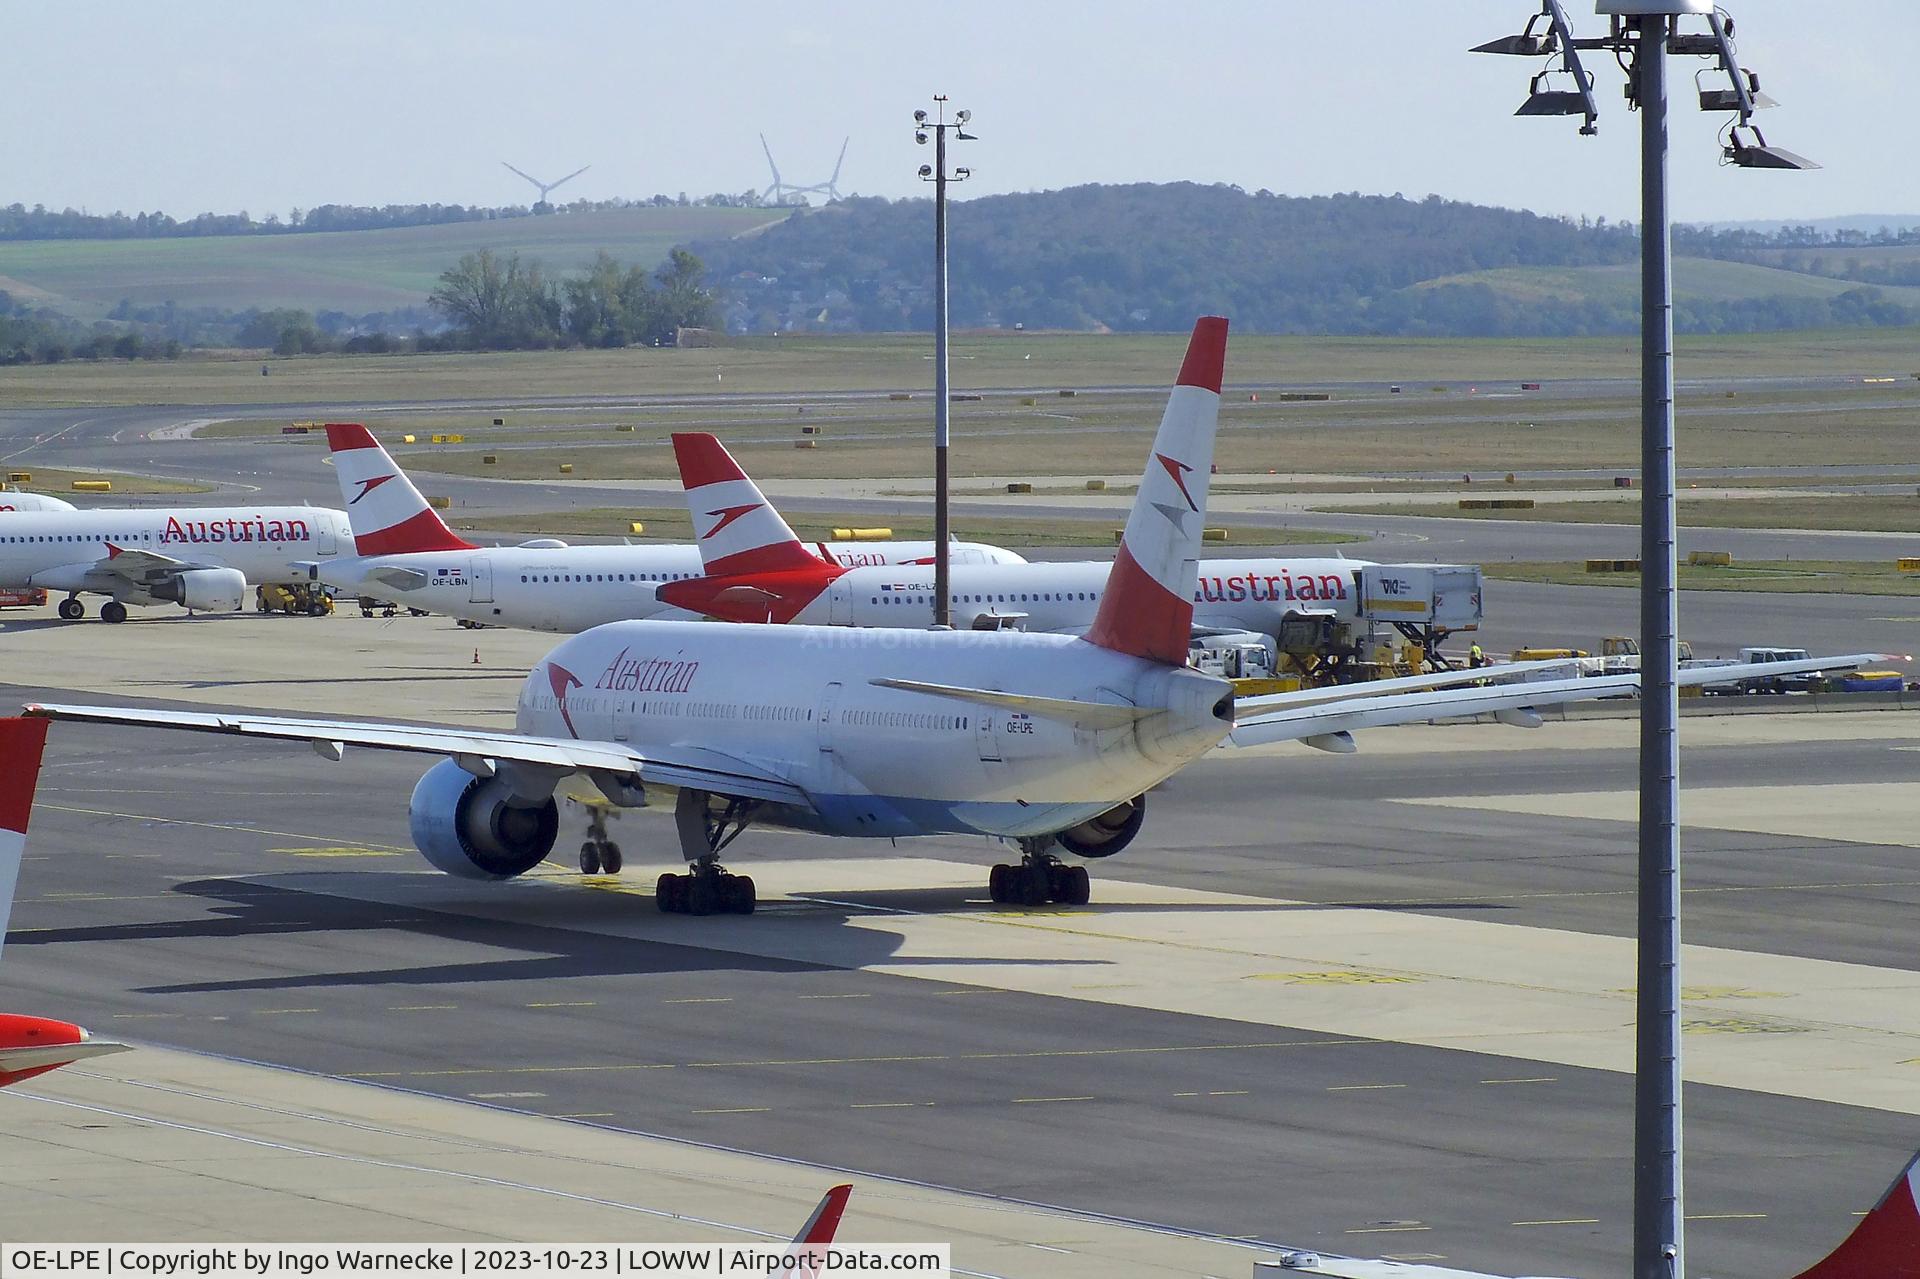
(68, 896)
(572, 1003)
(420, 1008)
(1562, 1221)
(1237, 1092)
(865, 1061)
(1727, 1216)
(1536, 1079)
(1740, 1026)
(341, 850)
(836, 996)
(973, 992)
(727, 999)
(182, 821)
(133, 857)
(1407, 1227)
(586, 1114)
(1338, 977)
(271, 1012)
(1186, 1094)
(1363, 1087)
(144, 1016)
(887, 1105)
(1022, 1101)
(737, 1110)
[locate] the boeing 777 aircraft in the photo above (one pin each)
(202, 558)
(1050, 742)
(404, 549)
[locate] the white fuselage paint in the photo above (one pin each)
(568, 589)
(64, 550)
(881, 761)
(1231, 594)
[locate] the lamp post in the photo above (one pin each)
(937, 127)
(1641, 33)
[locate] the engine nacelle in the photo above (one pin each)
(1106, 833)
(204, 590)
(466, 826)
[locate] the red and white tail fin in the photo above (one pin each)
(807, 1256)
(21, 743)
(1886, 1243)
(737, 530)
(1147, 610)
(388, 515)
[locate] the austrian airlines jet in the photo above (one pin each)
(1047, 741)
(12, 500)
(29, 1046)
(768, 578)
(201, 558)
(403, 548)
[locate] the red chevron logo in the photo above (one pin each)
(728, 514)
(368, 486)
(1177, 470)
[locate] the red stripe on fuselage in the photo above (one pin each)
(424, 531)
(21, 744)
(1140, 617)
(750, 597)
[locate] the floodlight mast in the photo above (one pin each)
(1641, 34)
(937, 174)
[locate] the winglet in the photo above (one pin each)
(385, 510)
(22, 742)
(1147, 608)
(737, 530)
(825, 1221)
(1886, 1243)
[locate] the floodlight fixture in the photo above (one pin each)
(1544, 100)
(1758, 153)
(921, 138)
(1730, 99)
(926, 170)
(919, 117)
(1526, 44)
(962, 174)
(961, 117)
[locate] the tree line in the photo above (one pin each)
(494, 302)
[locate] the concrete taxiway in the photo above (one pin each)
(1376, 1004)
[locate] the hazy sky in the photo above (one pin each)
(267, 106)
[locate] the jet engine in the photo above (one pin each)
(476, 827)
(205, 590)
(1106, 833)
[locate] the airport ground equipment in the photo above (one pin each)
(303, 598)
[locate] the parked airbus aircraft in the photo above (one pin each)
(1049, 741)
(29, 1046)
(403, 548)
(14, 500)
(757, 571)
(203, 558)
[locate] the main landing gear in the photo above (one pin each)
(599, 855)
(72, 609)
(113, 611)
(1039, 878)
(707, 824)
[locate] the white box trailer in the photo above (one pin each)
(1447, 596)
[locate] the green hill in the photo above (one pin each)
(1694, 280)
(352, 271)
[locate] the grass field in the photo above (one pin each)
(1845, 577)
(59, 483)
(1864, 513)
(352, 271)
(1694, 279)
(674, 525)
(983, 361)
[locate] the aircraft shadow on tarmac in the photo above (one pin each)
(959, 900)
(567, 946)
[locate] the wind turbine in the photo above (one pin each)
(548, 186)
(783, 192)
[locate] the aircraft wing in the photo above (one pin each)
(38, 1057)
(1351, 707)
(680, 766)
(137, 566)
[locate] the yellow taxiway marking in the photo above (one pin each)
(864, 1061)
(737, 1110)
(1537, 1079)
(420, 1008)
(585, 1114)
(836, 996)
(337, 850)
(1727, 1216)
(1562, 1221)
(270, 1012)
(571, 1003)
(721, 1000)
(1406, 1226)
(1363, 1087)
(1333, 978)
(1023, 1101)
(887, 1105)
(183, 821)
(143, 1016)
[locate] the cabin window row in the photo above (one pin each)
(1010, 597)
(605, 577)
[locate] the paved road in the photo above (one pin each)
(210, 895)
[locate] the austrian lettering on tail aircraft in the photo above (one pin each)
(1047, 742)
(201, 559)
(405, 551)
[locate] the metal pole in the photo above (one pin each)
(1658, 1211)
(942, 401)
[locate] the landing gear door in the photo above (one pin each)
(482, 573)
(829, 704)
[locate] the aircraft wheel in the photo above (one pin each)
(740, 895)
(667, 893)
(1076, 888)
(997, 882)
(589, 858)
(704, 896)
(1031, 887)
(113, 611)
(72, 609)
(610, 859)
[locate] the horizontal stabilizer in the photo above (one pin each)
(1066, 709)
